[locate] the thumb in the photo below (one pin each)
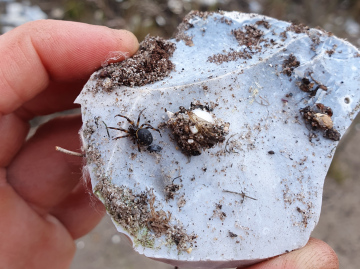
(38, 54)
(316, 254)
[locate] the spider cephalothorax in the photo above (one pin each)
(139, 134)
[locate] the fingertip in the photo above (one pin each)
(128, 40)
(315, 254)
(322, 253)
(40, 52)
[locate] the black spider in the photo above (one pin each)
(141, 135)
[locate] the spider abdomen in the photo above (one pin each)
(144, 137)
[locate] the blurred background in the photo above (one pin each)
(340, 217)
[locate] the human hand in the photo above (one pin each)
(315, 255)
(43, 203)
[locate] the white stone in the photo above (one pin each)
(264, 182)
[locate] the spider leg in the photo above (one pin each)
(138, 144)
(130, 121)
(120, 129)
(138, 121)
(149, 127)
(116, 138)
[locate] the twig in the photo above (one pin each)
(243, 195)
(69, 152)
(107, 130)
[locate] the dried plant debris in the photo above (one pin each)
(320, 118)
(186, 25)
(306, 215)
(298, 28)
(232, 235)
(251, 37)
(150, 64)
(332, 51)
(289, 65)
(171, 189)
(138, 215)
(306, 85)
(283, 35)
(181, 32)
(226, 21)
(229, 57)
(264, 23)
(218, 213)
(197, 128)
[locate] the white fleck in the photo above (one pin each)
(80, 244)
(116, 239)
(107, 83)
(160, 20)
(193, 129)
(170, 114)
(204, 115)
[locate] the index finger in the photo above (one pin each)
(40, 52)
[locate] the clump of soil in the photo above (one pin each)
(186, 25)
(298, 28)
(226, 21)
(217, 212)
(307, 86)
(250, 37)
(289, 65)
(319, 117)
(151, 63)
(171, 190)
(197, 128)
(181, 31)
(265, 23)
(229, 57)
(137, 214)
(332, 51)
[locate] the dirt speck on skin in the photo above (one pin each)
(151, 63)
(289, 65)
